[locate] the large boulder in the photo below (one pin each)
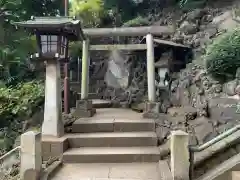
(195, 15)
(188, 28)
(225, 21)
(224, 109)
(203, 129)
(230, 88)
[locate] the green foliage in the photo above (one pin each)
(121, 10)
(223, 56)
(75, 49)
(16, 45)
(138, 21)
(91, 11)
(20, 101)
(94, 12)
(18, 104)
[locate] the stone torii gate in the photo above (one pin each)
(84, 106)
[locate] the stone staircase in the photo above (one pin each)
(114, 144)
(112, 140)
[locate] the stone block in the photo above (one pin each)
(30, 174)
(153, 107)
(31, 156)
(84, 104)
(46, 150)
(150, 115)
(53, 147)
(180, 163)
(235, 175)
(152, 110)
(80, 113)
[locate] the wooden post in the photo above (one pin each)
(66, 89)
(66, 83)
(85, 69)
(150, 68)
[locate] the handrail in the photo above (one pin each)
(214, 140)
(202, 147)
(9, 153)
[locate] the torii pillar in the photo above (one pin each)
(84, 107)
(151, 106)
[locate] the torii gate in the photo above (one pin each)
(85, 104)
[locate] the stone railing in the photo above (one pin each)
(179, 151)
(28, 156)
(182, 155)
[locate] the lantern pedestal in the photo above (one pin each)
(53, 124)
(84, 108)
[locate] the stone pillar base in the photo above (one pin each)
(84, 108)
(152, 109)
(53, 147)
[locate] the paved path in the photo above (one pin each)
(108, 171)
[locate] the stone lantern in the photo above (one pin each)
(163, 72)
(53, 35)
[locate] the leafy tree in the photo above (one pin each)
(91, 11)
(16, 45)
(121, 10)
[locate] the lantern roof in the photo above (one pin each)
(70, 26)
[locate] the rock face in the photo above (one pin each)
(205, 107)
(224, 109)
(201, 105)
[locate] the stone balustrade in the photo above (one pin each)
(180, 157)
(31, 156)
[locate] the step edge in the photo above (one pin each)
(143, 134)
(73, 151)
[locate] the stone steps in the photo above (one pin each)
(101, 103)
(112, 135)
(112, 139)
(112, 125)
(108, 171)
(111, 155)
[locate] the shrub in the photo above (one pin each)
(223, 56)
(17, 104)
(20, 101)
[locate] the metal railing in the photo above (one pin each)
(2, 158)
(8, 160)
(193, 149)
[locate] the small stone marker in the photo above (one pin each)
(180, 155)
(31, 156)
